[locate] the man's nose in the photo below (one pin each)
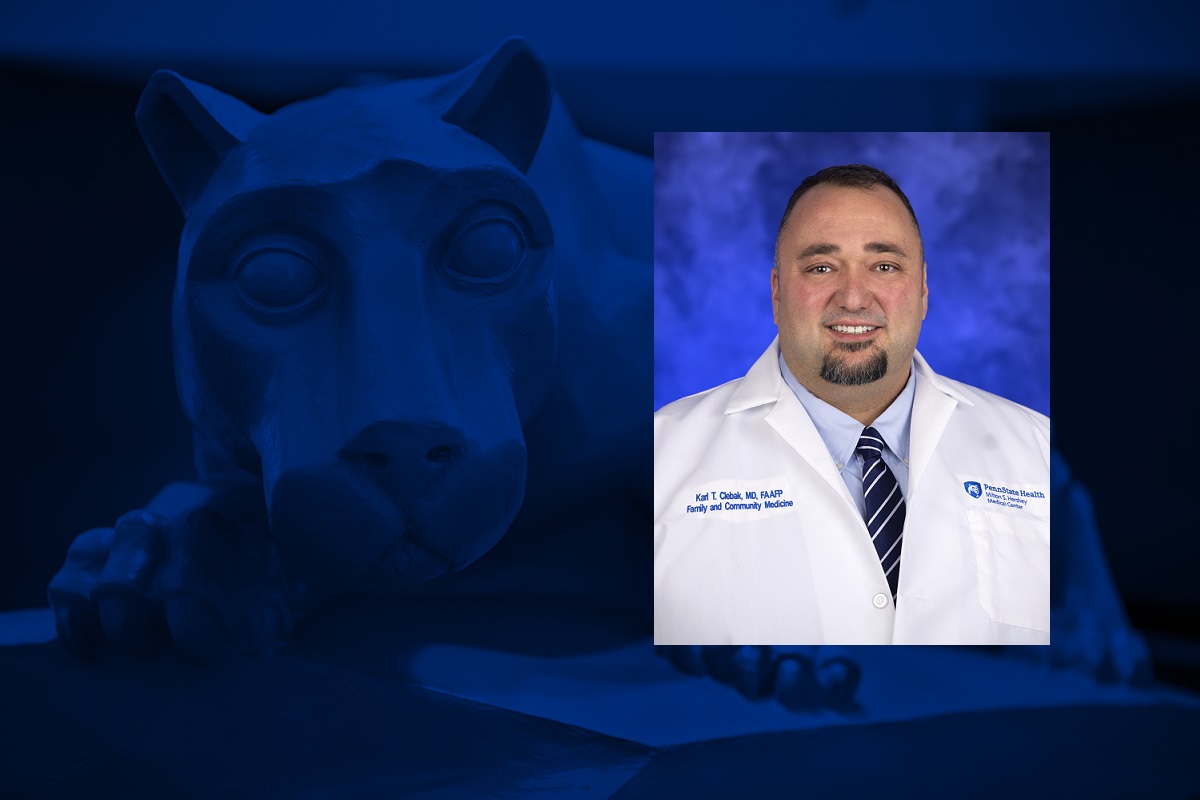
(853, 292)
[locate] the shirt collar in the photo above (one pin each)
(841, 432)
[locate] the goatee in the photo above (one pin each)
(835, 369)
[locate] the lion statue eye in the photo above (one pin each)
(486, 251)
(277, 279)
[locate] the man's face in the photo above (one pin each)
(849, 289)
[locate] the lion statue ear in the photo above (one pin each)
(188, 128)
(504, 99)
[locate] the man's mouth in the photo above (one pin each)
(853, 334)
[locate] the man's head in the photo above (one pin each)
(848, 288)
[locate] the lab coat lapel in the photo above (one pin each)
(764, 384)
(792, 423)
(933, 404)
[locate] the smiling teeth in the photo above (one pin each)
(852, 328)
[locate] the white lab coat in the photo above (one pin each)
(800, 567)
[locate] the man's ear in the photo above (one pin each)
(505, 102)
(188, 128)
(775, 294)
(924, 289)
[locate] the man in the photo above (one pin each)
(843, 492)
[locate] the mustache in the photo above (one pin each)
(845, 319)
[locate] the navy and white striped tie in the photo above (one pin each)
(885, 506)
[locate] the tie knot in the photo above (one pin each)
(870, 445)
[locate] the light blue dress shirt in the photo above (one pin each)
(841, 432)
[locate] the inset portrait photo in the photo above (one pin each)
(852, 349)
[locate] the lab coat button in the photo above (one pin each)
(880, 600)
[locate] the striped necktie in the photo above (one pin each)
(884, 506)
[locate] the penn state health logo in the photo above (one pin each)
(973, 488)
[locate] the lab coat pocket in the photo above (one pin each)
(1012, 556)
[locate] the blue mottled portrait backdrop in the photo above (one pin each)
(983, 204)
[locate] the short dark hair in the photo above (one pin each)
(855, 176)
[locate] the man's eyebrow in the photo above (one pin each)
(885, 247)
(828, 248)
(820, 249)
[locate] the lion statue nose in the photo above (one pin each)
(411, 461)
(399, 503)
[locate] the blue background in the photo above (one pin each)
(90, 421)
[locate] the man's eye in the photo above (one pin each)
(887, 268)
(820, 269)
